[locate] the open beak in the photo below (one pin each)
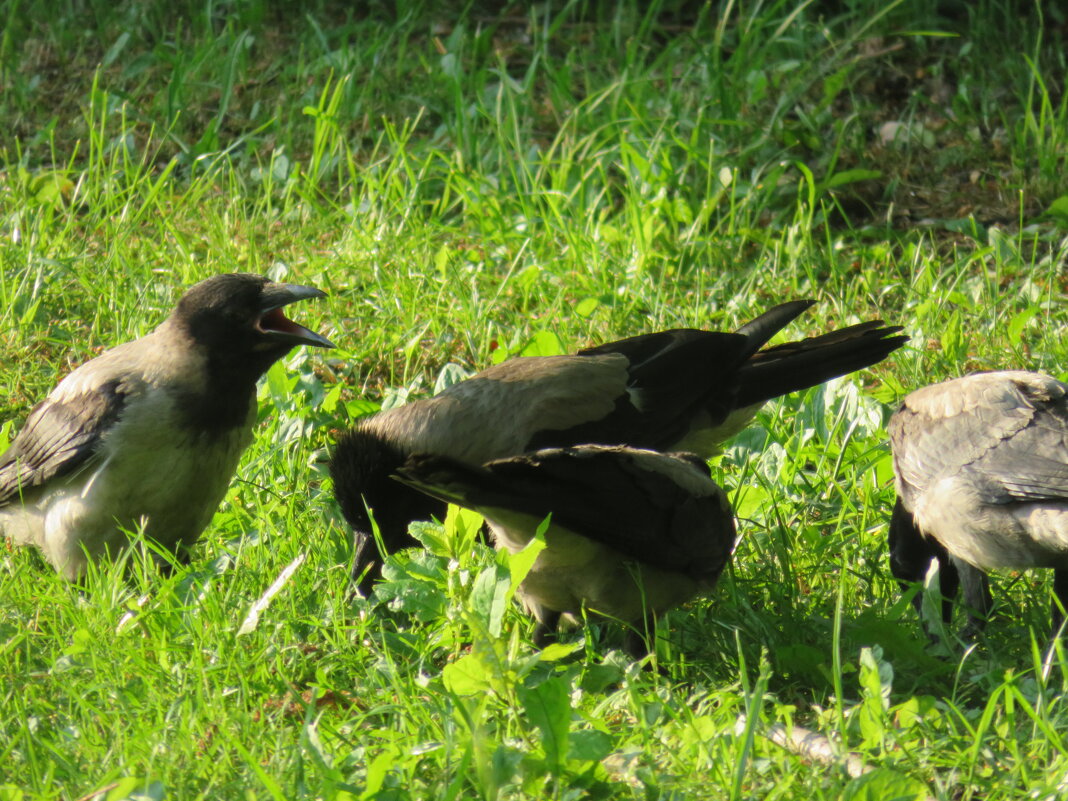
(274, 324)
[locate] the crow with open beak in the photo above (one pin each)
(149, 433)
(633, 533)
(678, 390)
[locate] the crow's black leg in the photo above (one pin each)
(977, 598)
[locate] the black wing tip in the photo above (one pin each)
(878, 328)
(890, 339)
(801, 304)
(793, 307)
(764, 326)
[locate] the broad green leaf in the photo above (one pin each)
(589, 745)
(556, 651)
(468, 675)
(545, 343)
(876, 675)
(1019, 322)
(884, 469)
(1059, 209)
(441, 260)
(528, 277)
(519, 564)
(833, 84)
(450, 374)
(954, 341)
(485, 669)
(431, 536)
(461, 528)
(884, 784)
(548, 707)
(586, 307)
(360, 408)
(915, 710)
(377, 771)
(52, 186)
(279, 384)
(490, 596)
(876, 682)
(422, 600)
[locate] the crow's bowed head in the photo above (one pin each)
(981, 471)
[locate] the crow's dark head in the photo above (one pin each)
(238, 318)
(235, 326)
(362, 468)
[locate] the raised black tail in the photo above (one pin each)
(799, 365)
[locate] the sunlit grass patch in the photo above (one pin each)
(470, 184)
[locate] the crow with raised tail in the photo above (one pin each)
(149, 433)
(677, 390)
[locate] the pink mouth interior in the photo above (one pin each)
(275, 320)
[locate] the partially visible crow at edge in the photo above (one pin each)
(149, 433)
(633, 533)
(981, 471)
(677, 390)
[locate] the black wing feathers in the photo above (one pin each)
(794, 366)
(673, 376)
(58, 438)
(677, 375)
(761, 329)
(608, 499)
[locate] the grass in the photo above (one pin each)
(474, 183)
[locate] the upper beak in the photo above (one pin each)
(277, 326)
